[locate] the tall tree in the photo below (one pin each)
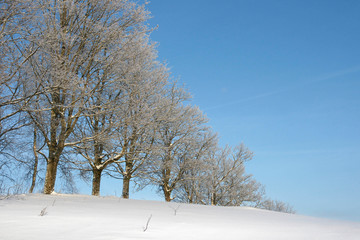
(138, 116)
(122, 101)
(14, 53)
(77, 41)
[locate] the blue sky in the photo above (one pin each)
(283, 77)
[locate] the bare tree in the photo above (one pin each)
(229, 185)
(177, 127)
(77, 41)
(191, 190)
(137, 132)
(275, 205)
(119, 110)
(221, 179)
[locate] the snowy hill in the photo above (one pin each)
(87, 217)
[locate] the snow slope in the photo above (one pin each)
(87, 217)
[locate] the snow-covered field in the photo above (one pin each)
(87, 217)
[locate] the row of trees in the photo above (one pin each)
(80, 81)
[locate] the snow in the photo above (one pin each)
(88, 217)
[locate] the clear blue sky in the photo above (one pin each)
(283, 77)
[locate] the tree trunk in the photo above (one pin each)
(167, 194)
(96, 182)
(126, 186)
(50, 175)
(213, 199)
(167, 176)
(127, 176)
(54, 156)
(57, 122)
(36, 161)
(190, 194)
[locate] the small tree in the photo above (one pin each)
(221, 179)
(275, 205)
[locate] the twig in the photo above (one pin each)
(147, 223)
(43, 212)
(175, 209)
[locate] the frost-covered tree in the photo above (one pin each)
(222, 180)
(137, 134)
(178, 126)
(77, 43)
(229, 185)
(275, 205)
(191, 189)
(119, 123)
